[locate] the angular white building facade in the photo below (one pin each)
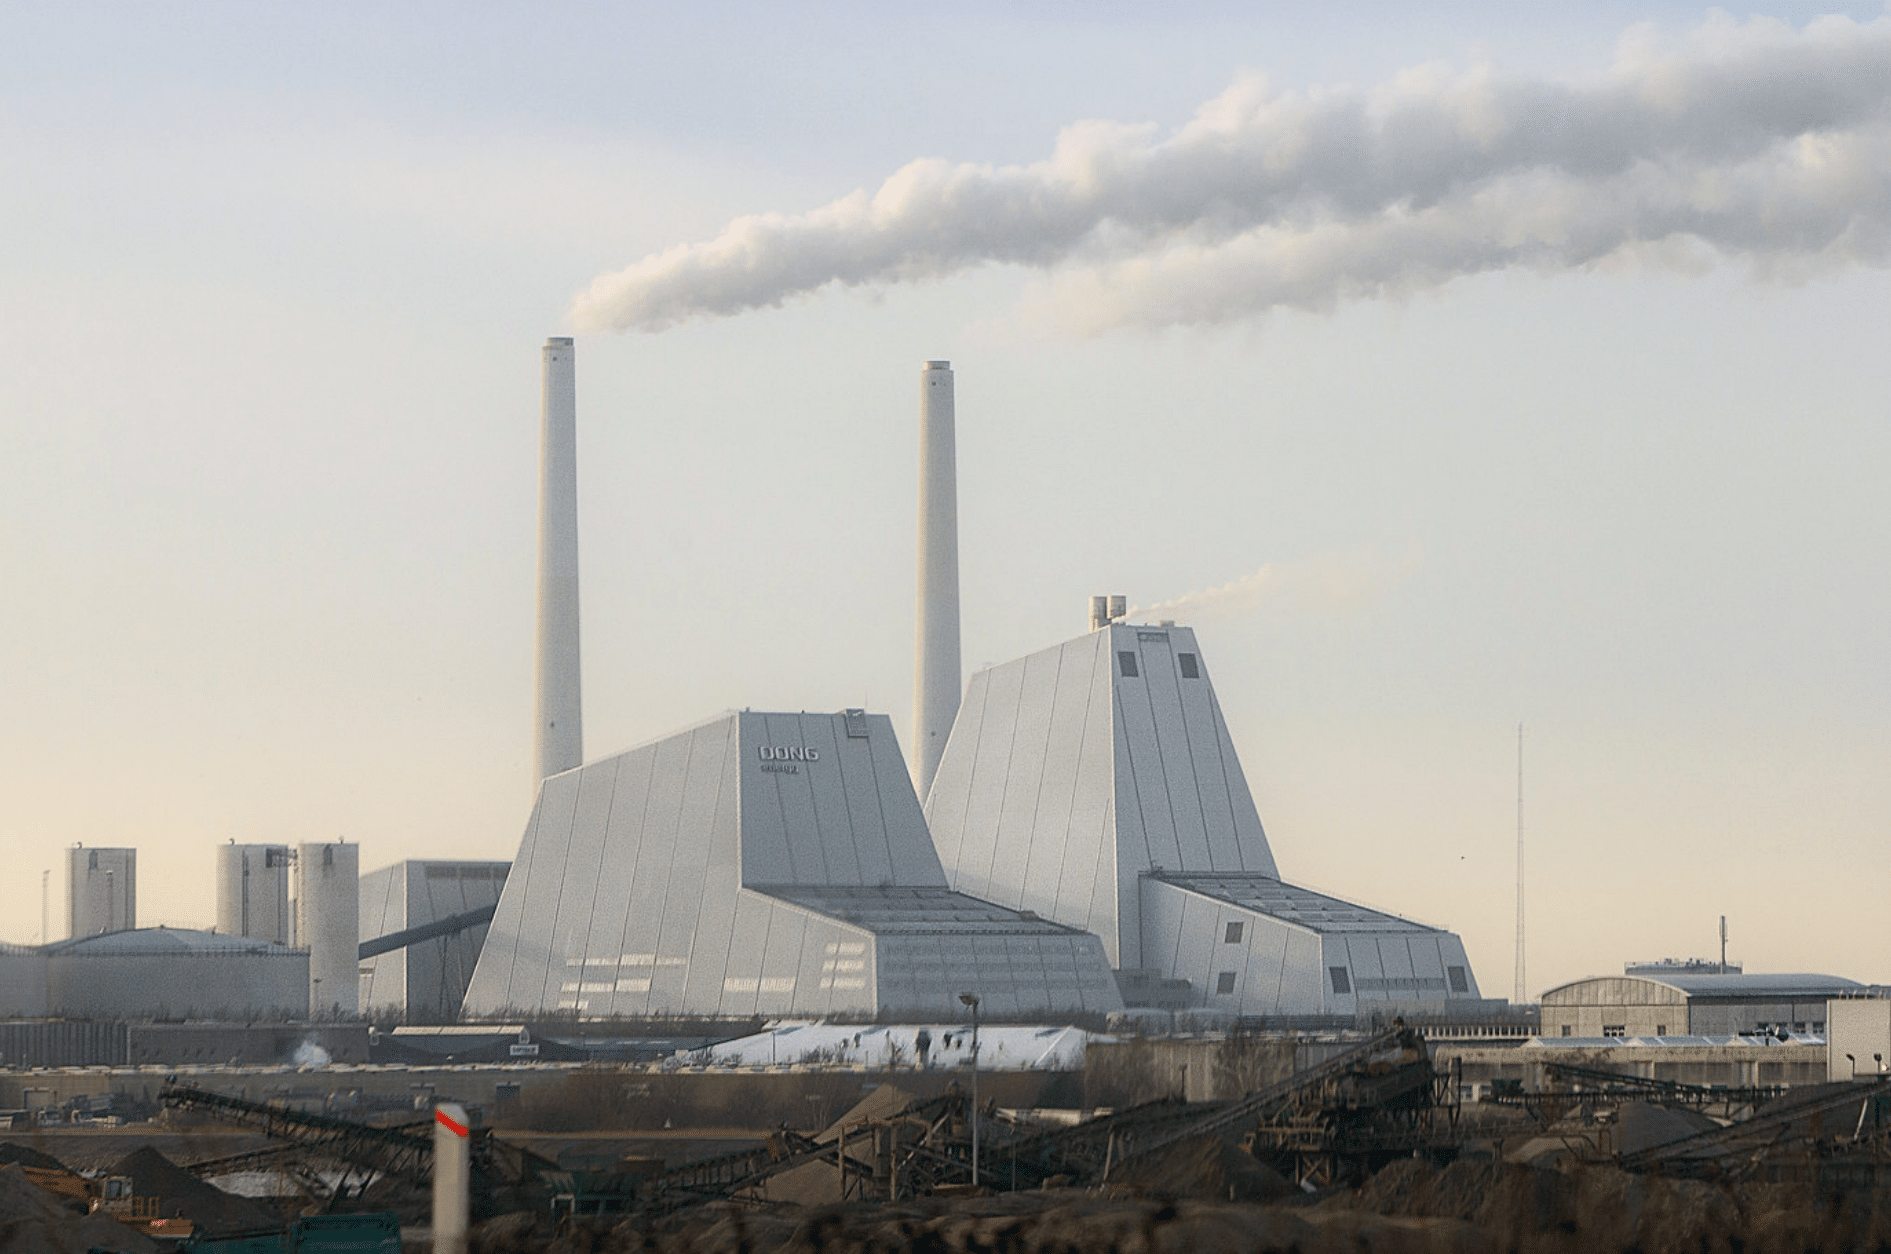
(761, 864)
(427, 977)
(1095, 783)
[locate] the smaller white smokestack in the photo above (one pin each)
(1119, 607)
(452, 1178)
(558, 738)
(936, 674)
(1099, 613)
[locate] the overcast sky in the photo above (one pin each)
(1447, 367)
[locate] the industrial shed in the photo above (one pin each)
(1692, 1005)
(760, 864)
(175, 973)
(1095, 783)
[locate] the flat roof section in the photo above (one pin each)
(1315, 911)
(898, 910)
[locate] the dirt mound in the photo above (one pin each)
(32, 1222)
(1033, 1223)
(1594, 1209)
(27, 1156)
(1206, 1167)
(179, 1192)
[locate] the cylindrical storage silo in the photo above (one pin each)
(328, 925)
(253, 892)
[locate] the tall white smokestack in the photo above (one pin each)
(558, 738)
(936, 670)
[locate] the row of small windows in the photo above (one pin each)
(1191, 668)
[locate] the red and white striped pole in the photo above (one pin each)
(452, 1177)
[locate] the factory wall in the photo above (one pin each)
(22, 981)
(1690, 1005)
(1276, 967)
(1860, 1027)
(756, 864)
(428, 978)
(116, 982)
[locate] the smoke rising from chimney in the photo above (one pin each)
(1745, 140)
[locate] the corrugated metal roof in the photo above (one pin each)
(1746, 985)
(164, 940)
(1313, 910)
(894, 909)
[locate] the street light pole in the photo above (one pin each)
(971, 999)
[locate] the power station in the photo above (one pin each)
(1073, 833)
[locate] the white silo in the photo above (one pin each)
(936, 674)
(253, 892)
(328, 925)
(102, 891)
(558, 737)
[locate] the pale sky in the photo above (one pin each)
(1465, 445)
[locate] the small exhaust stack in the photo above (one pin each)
(936, 670)
(452, 1178)
(1106, 610)
(558, 737)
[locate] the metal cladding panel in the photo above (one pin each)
(436, 973)
(1335, 952)
(1174, 754)
(491, 988)
(621, 873)
(704, 864)
(713, 944)
(383, 910)
(540, 964)
(1031, 840)
(834, 825)
(1142, 788)
(748, 946)
(1210, 752)
(584, 864)
(822, 807)
(779, 990)
(985, 789)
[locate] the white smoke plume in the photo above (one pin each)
(1330, 583)
(1749, 140)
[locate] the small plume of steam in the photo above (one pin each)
(309, 1054)
(1748, 140)
(1330, 584)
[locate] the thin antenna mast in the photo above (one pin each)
(1517, 995)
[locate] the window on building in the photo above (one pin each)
(1615, 1029)
(1661, 1029)
(1224, 983)
(1189, 669)
(1799, 1029)
(1128, 659)
(1234, 934)
(1458, 983)
(1566, 1031)
(1341, 983)
(1818, 1027)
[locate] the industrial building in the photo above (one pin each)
(101, 890)
(155, 973)
(1692, 1004)
(253, 892)
(760, 864)
(426, 977)
(1095, 783)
